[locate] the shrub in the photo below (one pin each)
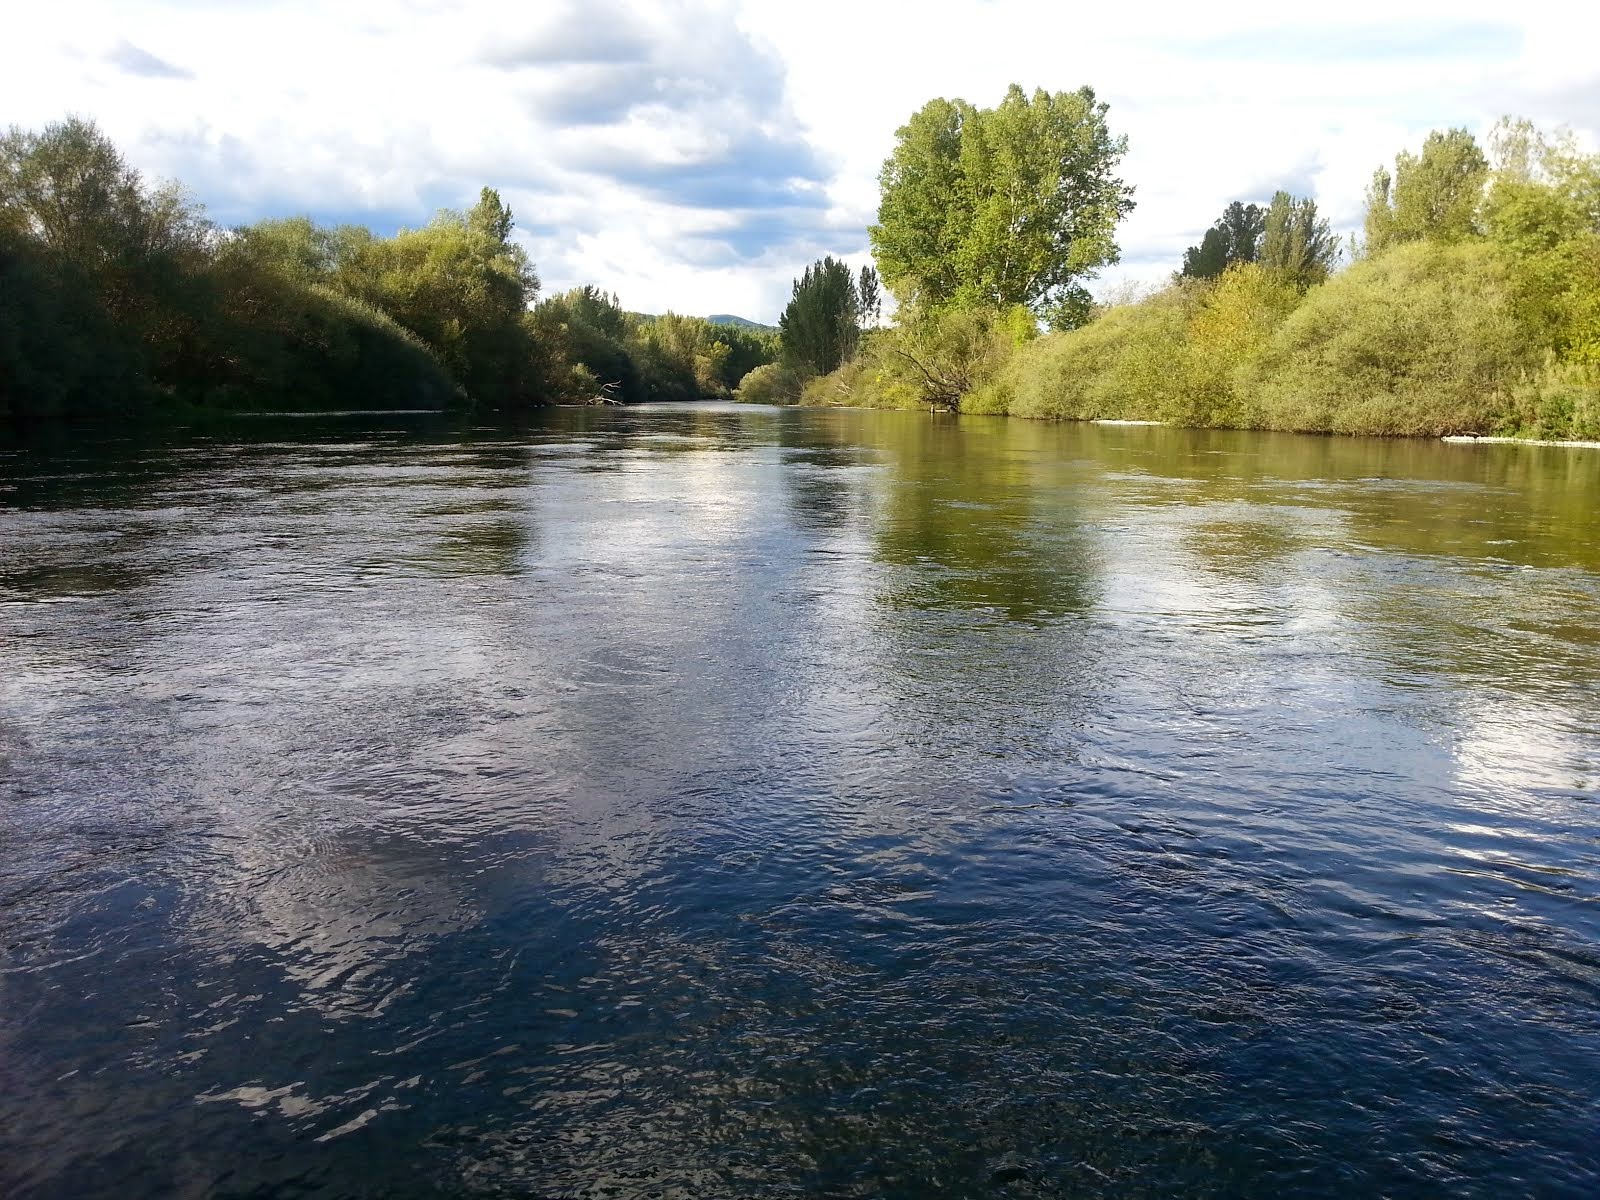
(1118, 366)
(1560, 401)
(770, 383)
(1422, 339)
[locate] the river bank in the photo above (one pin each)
(1476, 440)
(1118, 422)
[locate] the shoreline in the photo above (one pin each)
(1472, 439)
(1459, 439)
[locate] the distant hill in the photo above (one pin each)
(720, 319)
(741, 322)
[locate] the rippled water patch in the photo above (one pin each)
(735, 802)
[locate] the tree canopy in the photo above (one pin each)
(118, 296)
(821, 325)
(1235, 237)
(1012, 205)
(1296, 243)
(1476, 306)
(1434, 195)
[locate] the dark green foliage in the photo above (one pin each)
(820, 327)
(60, 353)
(749, 346)
(112, 263)
(869, 295)
(589, 330)
(1210, 258)
(602, 350)
(1234, 238)
(120, 298)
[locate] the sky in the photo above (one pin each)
(694, 155)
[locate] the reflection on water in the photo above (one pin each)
(712, 801)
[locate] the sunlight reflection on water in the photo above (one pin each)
(709, 801)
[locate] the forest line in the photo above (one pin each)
(1470, 303)
(119, 299)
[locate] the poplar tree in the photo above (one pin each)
(869, 292)
(1434, 195)
(1296, 243)
(990, 208)
(819, 328)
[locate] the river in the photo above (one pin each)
(737, 802)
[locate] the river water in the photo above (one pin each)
(735, 802)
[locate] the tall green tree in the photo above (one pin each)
(1434, 195)
(460, 283)
(869, 292)
(1017, 204)
(1235, 237)
(1542, 207)
(133, 252)
(819, 329)
(70, 190)
(1296, 244)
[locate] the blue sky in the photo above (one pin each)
(695, 155)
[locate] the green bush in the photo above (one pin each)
(951, 359)
(1559, 401)
(1225, 338)
(1119, 366)
(770, 383)
(1423, 339)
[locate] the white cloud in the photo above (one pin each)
(696, 154)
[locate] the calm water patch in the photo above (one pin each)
(712, 801)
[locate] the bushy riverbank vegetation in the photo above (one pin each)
(1470, 304)
(118, 298)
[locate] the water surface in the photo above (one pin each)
(704, 802)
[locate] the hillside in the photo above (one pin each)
(741, 322)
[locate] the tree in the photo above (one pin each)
(117, 294)
(870, 294)
(1434, 195)
(683, 357)
(586, 327)
(1295, 243)
(70, 190)
(943, 356)
(1235, 237)
(132, 253)
(460, 284)
(490, 217)
(996, 207)
(747, 350)
(819, 327)
(1542, 206)
(1210, 258)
